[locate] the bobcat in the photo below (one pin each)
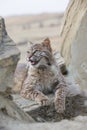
(44, 76)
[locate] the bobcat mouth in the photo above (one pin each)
(34, 62)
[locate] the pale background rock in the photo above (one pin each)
(74, 40)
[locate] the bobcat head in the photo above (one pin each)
(40, 55)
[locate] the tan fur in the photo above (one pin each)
(44, 77)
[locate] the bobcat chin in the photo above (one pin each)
(44, 76)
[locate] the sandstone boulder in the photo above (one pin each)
(74, 40)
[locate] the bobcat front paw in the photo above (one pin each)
(43, 101)
(59, 105)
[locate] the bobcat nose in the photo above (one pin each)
(32, 58)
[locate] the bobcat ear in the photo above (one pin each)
(46, 43)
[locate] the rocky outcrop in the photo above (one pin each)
(9, 56)
(74, 40)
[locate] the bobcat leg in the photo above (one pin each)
(38, 96)
(59, 100)
(63, 92)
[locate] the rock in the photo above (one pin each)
(20, 73)
(2, 30)
(79, 123)
(74, 40)
(9, 56)
(8, 108)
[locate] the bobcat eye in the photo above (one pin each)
(37, 53)
(43, 53)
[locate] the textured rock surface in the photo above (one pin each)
(74, 39)
(9, 109)
(79, 123)
(9, 56)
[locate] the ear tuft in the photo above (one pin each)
(46, 43)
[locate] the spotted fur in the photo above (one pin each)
(44, 76)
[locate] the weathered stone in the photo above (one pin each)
(74, 40)
(79, 123)
(11, 109)
(20, 73)
(9, 56)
